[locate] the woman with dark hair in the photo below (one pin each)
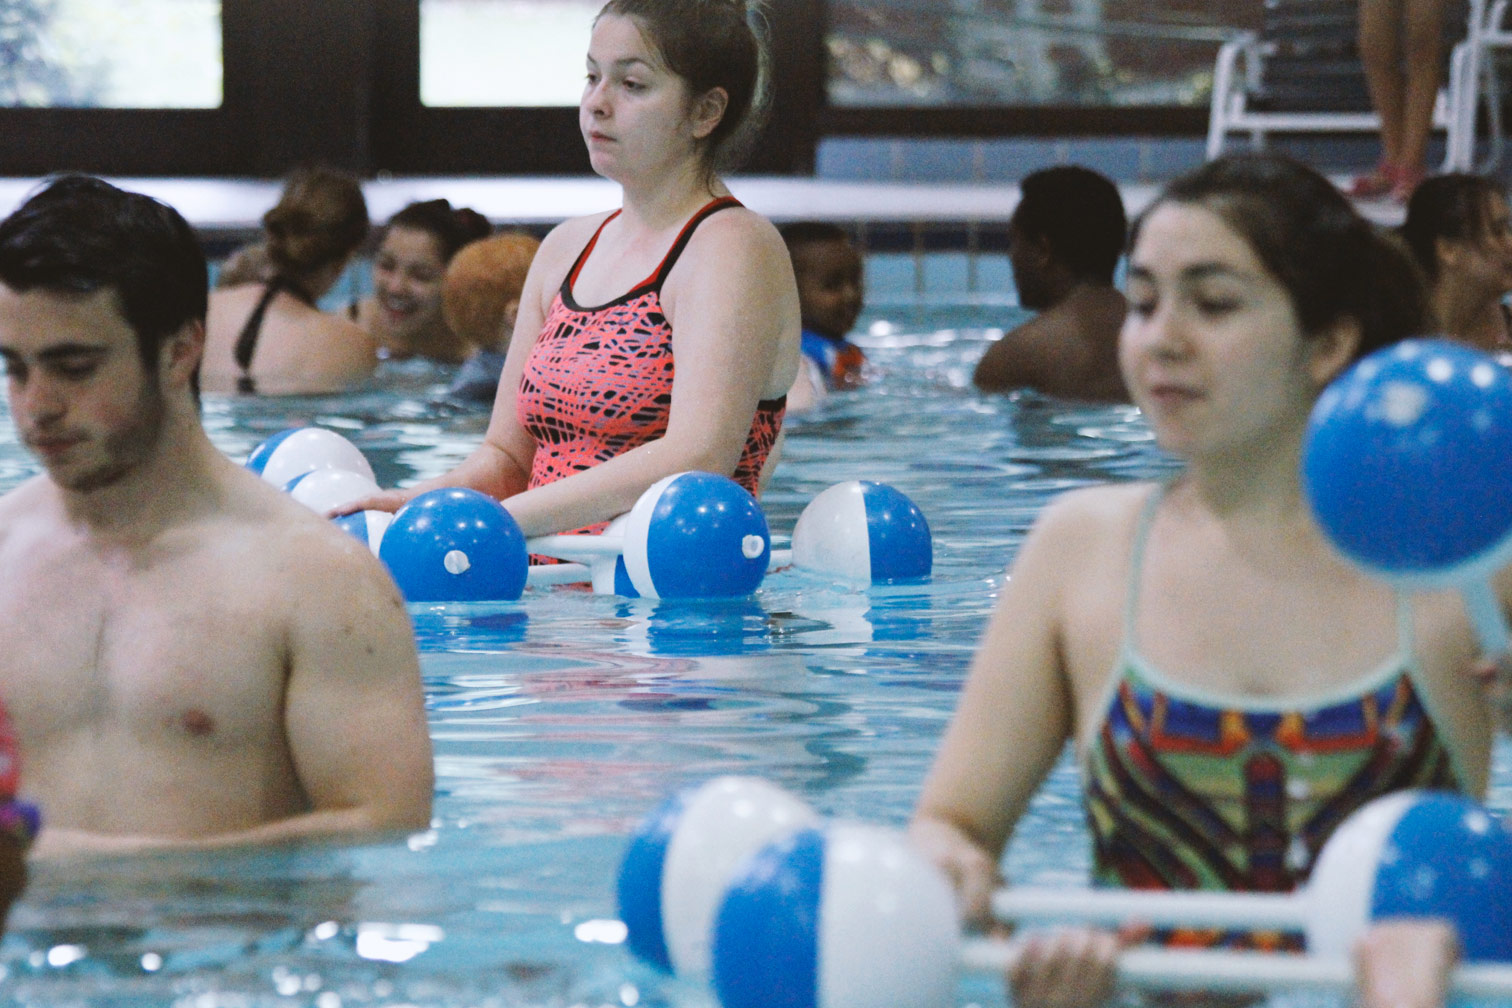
(662, 336)
(1459, 228)
(404, 311)
(266, 336)
(1198, 640)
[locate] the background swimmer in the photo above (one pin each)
(829, 274)
(267, 336)
(1459, 228)
(192, 657)
(404, 311)
(1066, 236)
(480, 299)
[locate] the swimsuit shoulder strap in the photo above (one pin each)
(577, 264)
(246, 342)
(657, 278)
(1136, 562)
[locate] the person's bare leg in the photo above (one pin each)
(1380, 46)
(1422, 51)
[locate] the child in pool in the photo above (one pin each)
(480, 298)
(828, 271)
(1232, 686)
(660, 337)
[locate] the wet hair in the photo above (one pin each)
(452, 227)
(1456, 206)
(710, 44)
(797, 234)
(1078, 214)
(483, 278)
(1333, 263)
(80, 235)
(248, 264)
(321, 218)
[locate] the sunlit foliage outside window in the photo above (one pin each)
(110, 53)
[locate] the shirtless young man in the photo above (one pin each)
(1066, 236)
(192, 658)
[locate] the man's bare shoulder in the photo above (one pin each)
(1023, 355)
(302, 545)
(28, 507)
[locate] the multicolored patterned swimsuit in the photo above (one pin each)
(599, 380)
(1186, 790)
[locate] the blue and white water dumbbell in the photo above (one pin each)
(864, 531)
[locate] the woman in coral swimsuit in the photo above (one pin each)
(661, 337)
(1232, 687)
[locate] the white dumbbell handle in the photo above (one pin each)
(542, 575)
(577, 547)
(591, 547)
(1234, 972)
(1190, 908)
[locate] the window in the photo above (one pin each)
(1004, 53)
(106, 54)
(503, 53)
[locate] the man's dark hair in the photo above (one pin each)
(1079, 216)
(81, 234)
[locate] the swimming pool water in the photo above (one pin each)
(560, 720)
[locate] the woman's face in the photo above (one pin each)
(638, 118)
(1487, 260)
(1211, 348)
(407, 275)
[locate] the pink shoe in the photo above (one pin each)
(1380, 182)
(1407, 182)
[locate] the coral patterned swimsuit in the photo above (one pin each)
(599, 380)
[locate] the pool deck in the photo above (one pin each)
(232, 207)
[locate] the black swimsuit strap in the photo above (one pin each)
(246, 343)
(670, 259)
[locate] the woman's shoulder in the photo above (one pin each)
(234, 297)
(743, 226)
(572, 233)
(563, 242)
(1091, 513)
(739, 243)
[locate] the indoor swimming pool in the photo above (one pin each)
(561, 719)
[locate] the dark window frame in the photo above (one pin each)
(338, 82)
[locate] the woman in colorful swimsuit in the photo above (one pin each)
(661, 337)
(1232, 687)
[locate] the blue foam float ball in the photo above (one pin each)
(848, 916)
(1415, 854)
(696, 535)
(681, 856)
(291, 453)
(455, 545)
(320, 490)
(366, 526)
(864, 531)
(1405, 463)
